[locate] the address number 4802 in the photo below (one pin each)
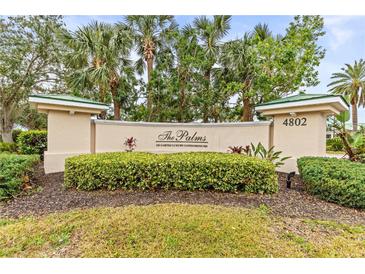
(295, 122)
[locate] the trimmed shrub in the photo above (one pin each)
(15, 134)
(334, 144)
(336, 180)
(184, 171)
(13, 171)
(7, 147)
(32, 142)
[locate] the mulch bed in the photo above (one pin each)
(293, 202)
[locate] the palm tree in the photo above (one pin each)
(99, 53)
(236, 57)
(210, 33)
(262, 31)
(351, 83)
(149, 34)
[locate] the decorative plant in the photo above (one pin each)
(130, 144)
(353, 143)
(239, 149)
(235, 149)
(334, 144)
(260, 151)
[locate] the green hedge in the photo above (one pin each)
(7, 147)
(185, 171)
(335, 180)
(334, 144)
(15, 134)
(13, 168)
(32, 142)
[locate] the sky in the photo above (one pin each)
(344, 40)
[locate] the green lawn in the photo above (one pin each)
(176, 230)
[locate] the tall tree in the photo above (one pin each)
(262, 31)
(188, 60)
(238, 58)
(149, 34)
(210, 33)
(351, 83)
(30, 56)
(99, 58)
(276, 65)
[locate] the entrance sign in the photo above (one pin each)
(181, 138)
(178, 137)
(297, 128)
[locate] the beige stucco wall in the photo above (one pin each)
(55, 162)
(110, 136)
(302, 140)
(72, 134)
(68, 135)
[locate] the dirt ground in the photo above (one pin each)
(50, 196)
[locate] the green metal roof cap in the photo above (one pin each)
(300, 97)
(68, 98)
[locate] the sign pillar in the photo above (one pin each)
(69, 131)
(299, 125)
(301, 134)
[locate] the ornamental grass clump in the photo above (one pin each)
(336, 180)
(182, 171)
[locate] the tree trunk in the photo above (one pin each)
(6, 125)
(149, 89)
(102, 115)
(207, 75)
(101, 94)
(7, 136)
(352, 155)
(116, 103)
(181, 117)
(97, 63)
(247, 110)
(205, 118)
(116, 110)
(354, 116)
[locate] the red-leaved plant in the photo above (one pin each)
(130, 144)
(239, 149)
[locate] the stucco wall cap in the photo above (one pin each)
(66, 101)
(153, 124)
(304, 100)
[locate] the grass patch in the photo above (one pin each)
(174, 230)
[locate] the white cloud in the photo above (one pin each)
(340, 36)
(336, 20)
(338, 33)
